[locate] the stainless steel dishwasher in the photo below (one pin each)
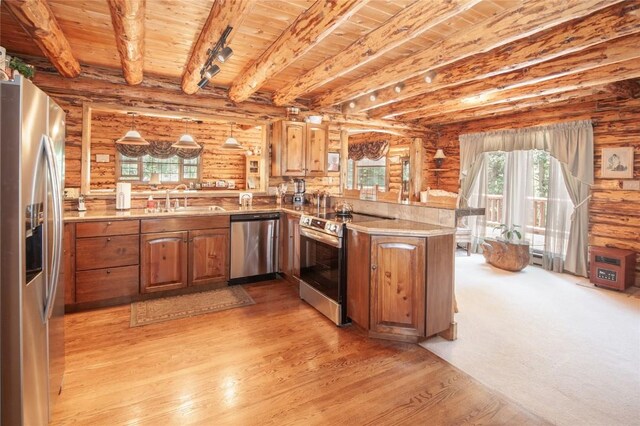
(254, 247)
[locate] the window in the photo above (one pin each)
(367, 173)
(172, 170)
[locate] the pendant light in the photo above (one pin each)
(132, 137)
(231, 143)
(186, 141)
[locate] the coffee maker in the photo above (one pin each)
(298, 191)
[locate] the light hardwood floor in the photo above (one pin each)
(276, 362)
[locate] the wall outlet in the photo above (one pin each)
(245, 196)
(631, 185)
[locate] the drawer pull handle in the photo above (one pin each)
(374, 267)
(108, 223)
(108, 239)
(108, 271)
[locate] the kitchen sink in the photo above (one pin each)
(200, 209)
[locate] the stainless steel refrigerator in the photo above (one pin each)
(31, 230)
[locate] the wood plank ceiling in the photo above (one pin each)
(424, 61)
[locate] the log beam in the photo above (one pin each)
(407, 24)
(127, 17)
(625, 89)
(223, 13)
(585, 80)
(603, 26)
(525, 20)
(38, 21)
(619, 50)
(309, 29)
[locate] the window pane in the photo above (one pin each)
(134, 169)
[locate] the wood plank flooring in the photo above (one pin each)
(276, 362)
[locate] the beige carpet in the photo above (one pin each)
(562, 348)
(169, 308)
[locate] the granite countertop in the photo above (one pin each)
(379, 227)
(400, 227)
(89, 215)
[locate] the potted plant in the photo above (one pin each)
(505, 253)
(17, 64)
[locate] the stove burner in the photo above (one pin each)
(344, 214)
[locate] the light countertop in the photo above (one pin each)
(400, 227)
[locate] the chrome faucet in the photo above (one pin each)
(184, 187)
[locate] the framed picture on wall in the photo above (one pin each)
(333, 162)
(617, 163)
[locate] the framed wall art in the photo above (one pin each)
(333, 162)
(617, 163)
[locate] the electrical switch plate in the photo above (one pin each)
(102, 158)
(631, 185)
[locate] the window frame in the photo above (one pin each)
(141, 181)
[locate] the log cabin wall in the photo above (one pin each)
(614, 213)
(106, 127)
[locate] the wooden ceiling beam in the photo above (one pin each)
(407, 24)
(127, 17)
(223, 13)
(525, 20)
(629, 89)
(37, 19)
(309, 29)
(605, 25)
(619, 50)
(481, 112)
(590, 78)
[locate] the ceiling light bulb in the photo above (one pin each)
(429, 76)
(225, 54)
(398, 87)
(352, 104)
(372, 97)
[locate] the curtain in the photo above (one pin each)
(571, 144)
(374, 150)
(157, 150)
(518, 188)
(558, 220)
(477, 196)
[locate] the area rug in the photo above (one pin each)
(169, 308)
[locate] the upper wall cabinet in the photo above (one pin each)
(299, 149)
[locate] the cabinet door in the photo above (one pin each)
(316, 155)
(397, 285)
(208, 256)
(163, 261)
(293, 149)
(295, 267)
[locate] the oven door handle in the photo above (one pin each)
(323, 238)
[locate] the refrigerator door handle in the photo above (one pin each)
(56, 261)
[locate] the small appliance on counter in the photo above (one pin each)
(299, 188)
(123, 196)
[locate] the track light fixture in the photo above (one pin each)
(225, 54)
(220, 52)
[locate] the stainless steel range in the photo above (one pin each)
(323, 261)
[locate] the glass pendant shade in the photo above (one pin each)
(232, 143)
(132, 137)
(186, 141)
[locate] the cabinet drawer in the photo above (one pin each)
(115, 227)
(107, 252)
(184, 223)
(108, 283)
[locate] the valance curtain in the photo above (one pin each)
(374, 150)
(157, 150)
(571, 144)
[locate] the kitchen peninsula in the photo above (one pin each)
(193, 255)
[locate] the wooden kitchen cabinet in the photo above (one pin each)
(299, 149)
(400, 287)
(397, 285)
(104, 258)
(164, 261)
(209, 256)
